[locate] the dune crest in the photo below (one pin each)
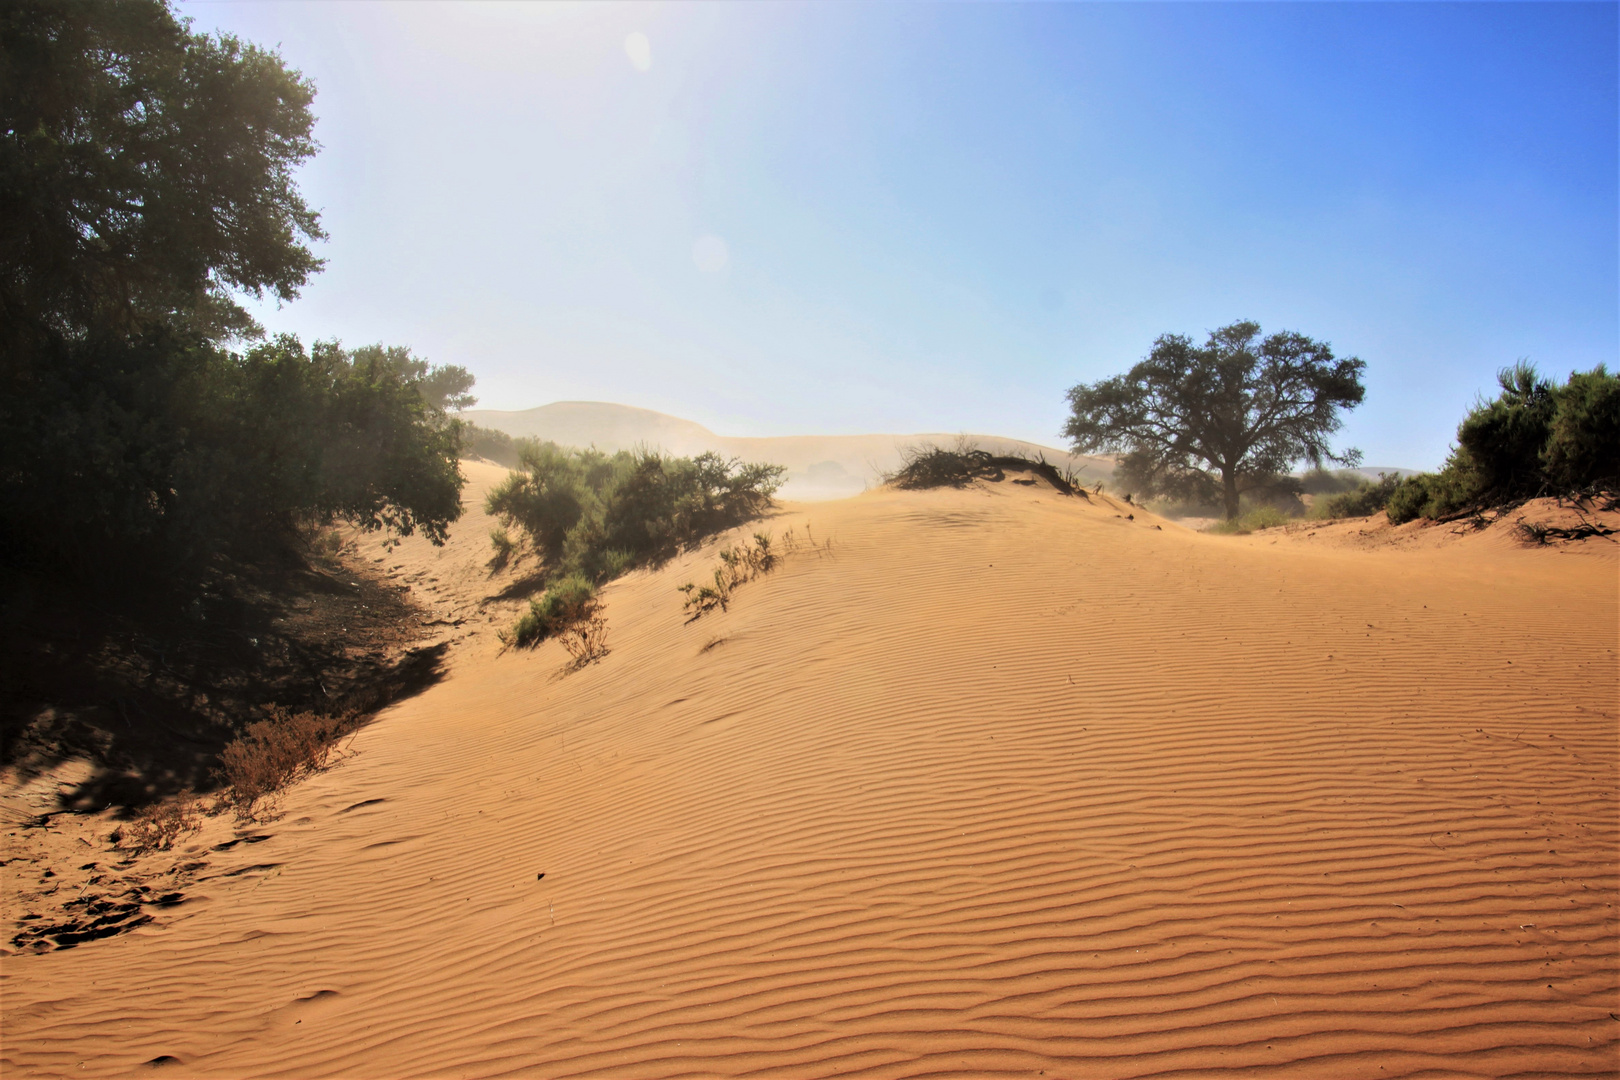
(819, 466)
(1006, 783)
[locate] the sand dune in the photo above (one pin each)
(1005, 784)
(819, 466)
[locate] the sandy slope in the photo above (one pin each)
(1005, 784)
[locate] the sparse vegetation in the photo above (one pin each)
(274, 752)
(929, 466)
(159, 825)
(568, 602)
(1536, 438)
(1367, 498)
(592, 517)
(1261, 517)
(737, 565)
(585, 639)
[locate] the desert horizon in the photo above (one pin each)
(819, 466)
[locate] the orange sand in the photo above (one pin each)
(1006, 784)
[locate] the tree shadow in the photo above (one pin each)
(149, 691)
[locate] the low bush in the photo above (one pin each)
(585, 640)
(274, 752)
(157, 827)
(593, 517)
(567, 603)
(1261, 517)
(1368, 498)
(597, 516)
(505, 547)
(933, 466)
(489, 444)
(929, 466)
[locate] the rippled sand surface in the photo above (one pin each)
(1003, 784)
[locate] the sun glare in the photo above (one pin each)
(639, 50)
(710, 254)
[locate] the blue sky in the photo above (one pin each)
(781, 218)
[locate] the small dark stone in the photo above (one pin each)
(537, 877)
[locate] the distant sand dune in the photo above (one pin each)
(1007, 784)
(819, 466)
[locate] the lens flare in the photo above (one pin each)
(639, 50)
(710, 254)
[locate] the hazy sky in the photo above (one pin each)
(784, 218)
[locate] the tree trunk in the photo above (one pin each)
(1230, 492)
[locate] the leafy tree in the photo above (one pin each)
(146, 172)
(170, 452)
(1223, 418)
(445, 387)
(146, 182)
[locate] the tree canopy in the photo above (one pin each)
(1219, 419)
(146, 172)
(146, 185)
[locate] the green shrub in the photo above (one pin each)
(1499, 442)
(928, 466)
(505, 547)
(1367, 498)
(1261, 517)
(594, 517)
(566, 603)
(489, 444)
(546, 499)
(1428, 495)
(1412, 498)
(1583, 442)
(1331, 481)
(140, 459)
(1535, 438)
(598, 516)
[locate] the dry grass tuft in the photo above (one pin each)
(739, 565)
(273, 753)
(585, 639)
(157, 827)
